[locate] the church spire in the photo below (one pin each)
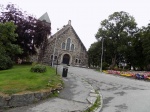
(45, 17)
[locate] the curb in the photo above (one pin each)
(101, 101)
(91, 96)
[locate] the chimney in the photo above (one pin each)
(69, 22)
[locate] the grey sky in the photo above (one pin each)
(85, 15)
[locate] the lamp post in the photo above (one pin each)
(102, 55)
(57, 63)
(54, 49)
(101, 63)
(54, 53)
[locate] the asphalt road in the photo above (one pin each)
(119, 94)
(73, 98)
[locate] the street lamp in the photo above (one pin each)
(54, 53)
(57, 63)
(54, 49)
(102, 39)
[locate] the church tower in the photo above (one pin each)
(45, 18)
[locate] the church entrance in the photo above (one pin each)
(66, 59)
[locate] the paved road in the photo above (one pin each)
(73, 98)
(119, 94)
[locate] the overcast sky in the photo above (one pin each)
(85, 15)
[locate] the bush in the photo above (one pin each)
(5, 62)
(38, 68)
(127, 67)
(105, 66)
(34, 63)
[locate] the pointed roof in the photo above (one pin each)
(45, 17)
(63, 30)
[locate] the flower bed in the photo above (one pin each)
(134, 74)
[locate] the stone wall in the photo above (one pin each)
(57, 39)
(17, 100)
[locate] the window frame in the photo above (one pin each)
(68, 43)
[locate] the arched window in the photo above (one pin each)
(79, 61)
(72, 47)
(76, 60)
(55, 58)
(51, 57)
(63, 45)
(68, 44)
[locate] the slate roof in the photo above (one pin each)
(45, 17)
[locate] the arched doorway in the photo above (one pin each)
(66, 59)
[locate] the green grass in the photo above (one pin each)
(20, 79)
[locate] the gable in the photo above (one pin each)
(67, 32)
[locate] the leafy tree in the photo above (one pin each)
(94, 54)
(32, 33)
(117, 32)
(146, 45)
(7, 49)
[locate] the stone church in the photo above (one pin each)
(64, 47)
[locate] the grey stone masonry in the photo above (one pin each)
(23, 99)
(66, 47)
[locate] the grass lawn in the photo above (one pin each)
(20, 79)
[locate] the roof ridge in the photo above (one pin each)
(66, 27)
(61, 30)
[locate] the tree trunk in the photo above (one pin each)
(134, 68)
(113, 62)
(129, 66)
(42, 51)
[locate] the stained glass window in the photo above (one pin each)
(68, 44)
(63, 45)
(72, 47)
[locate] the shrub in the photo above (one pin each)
(34, 63)
(5, 62)
(127, 67)
(38, 68)
(105, 66)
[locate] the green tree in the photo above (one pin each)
(32, 33)
(117, 32)
(146, 45)
(7, 49)
(134, 54)
(94, 54)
